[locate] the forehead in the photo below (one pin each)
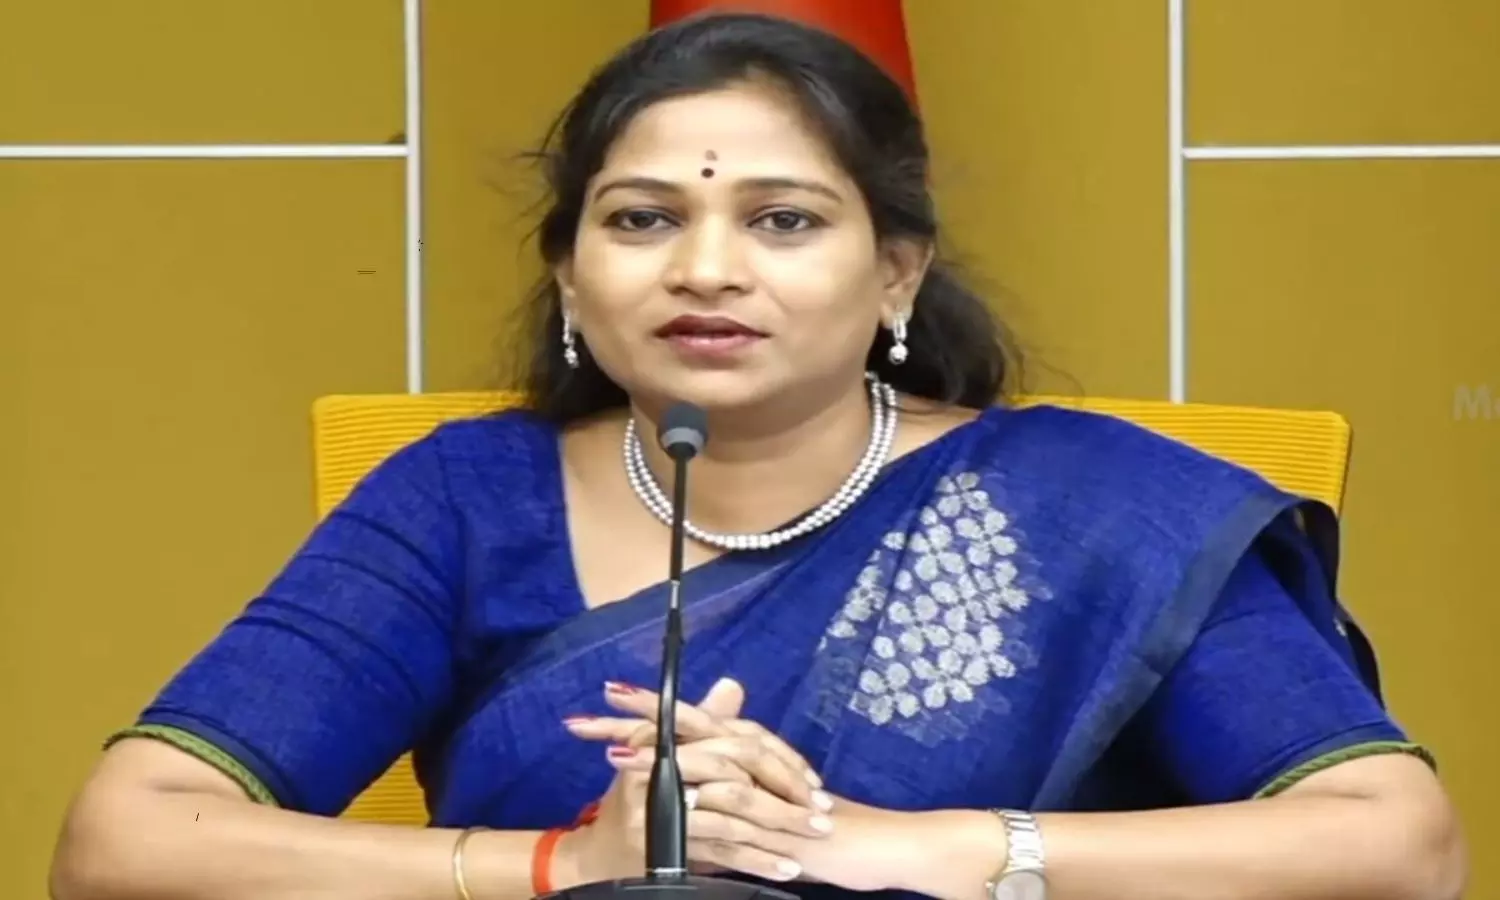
(743, 127)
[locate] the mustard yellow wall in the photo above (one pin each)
(1372, 287)
(1368, 287)
(1045, 119)
(165, 324)
(498, 73)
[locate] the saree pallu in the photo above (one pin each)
(1044, 609)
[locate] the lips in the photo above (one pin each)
(707, 327)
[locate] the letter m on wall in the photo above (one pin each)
(1474, 403)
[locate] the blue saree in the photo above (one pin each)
(1045, 609)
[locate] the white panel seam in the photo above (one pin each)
(1343, 152)
(412, 14)
(1177, 302)
(201, 151)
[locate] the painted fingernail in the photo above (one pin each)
(813, 779)
(822, 801)
(616, 687)
(788, 869)
(821, 824)
(620, 752)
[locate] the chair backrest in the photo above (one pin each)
(1304, 452)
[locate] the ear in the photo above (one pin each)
(562, 273)
(903, 264)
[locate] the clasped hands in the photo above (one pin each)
(757, 806)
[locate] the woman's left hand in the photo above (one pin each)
(865, 850)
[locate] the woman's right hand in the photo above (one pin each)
(746, 790)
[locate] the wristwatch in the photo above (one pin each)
(1024, 876)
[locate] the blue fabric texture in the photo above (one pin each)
(1044, 609)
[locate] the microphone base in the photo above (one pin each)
(686, 887)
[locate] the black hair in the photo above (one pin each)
(958, 351)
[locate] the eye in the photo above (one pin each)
(786, 221)
(637, 220)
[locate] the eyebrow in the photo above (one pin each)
(769, 183)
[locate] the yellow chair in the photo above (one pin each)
(1301, 451)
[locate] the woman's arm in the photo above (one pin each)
(1261, 700)
(155, 823)
(1377, 828)
(1374, 828)
(345, 661)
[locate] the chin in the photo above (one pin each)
(720, 390)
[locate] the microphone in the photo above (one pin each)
(683, 432)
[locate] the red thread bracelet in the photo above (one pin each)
(546, 846)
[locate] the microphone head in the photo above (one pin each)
(683, 431)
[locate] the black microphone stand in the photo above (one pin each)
(683, 433)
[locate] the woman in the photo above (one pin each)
(907, 606)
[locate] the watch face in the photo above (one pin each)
(1021, 886)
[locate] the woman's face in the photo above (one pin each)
(723, 257)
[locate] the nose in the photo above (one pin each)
(707, 261)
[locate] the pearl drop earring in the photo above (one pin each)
(898, 353)
(570, 349)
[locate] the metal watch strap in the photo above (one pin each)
(1024, 853)
(1024, 839)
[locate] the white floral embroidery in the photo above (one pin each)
(940, 630)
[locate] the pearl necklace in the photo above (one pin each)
(882, 434)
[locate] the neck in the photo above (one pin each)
(763, 468)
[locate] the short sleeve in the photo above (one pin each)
(1261, 699)
(334, 671)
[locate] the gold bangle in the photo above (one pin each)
(459, 884)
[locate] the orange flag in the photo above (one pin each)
(876, 27)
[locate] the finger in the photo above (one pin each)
(696, 767)
(752, 754)
(744, 858)
(727, 828)
(607, 728)
(635, 733)
(774, 743)
(760, 808)
(692, 722)
(768, 769)
(618, 732)
(630, 761)
(736, 758)
(725, 700)
(643, 736)
(721, 704)
(717, 714)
